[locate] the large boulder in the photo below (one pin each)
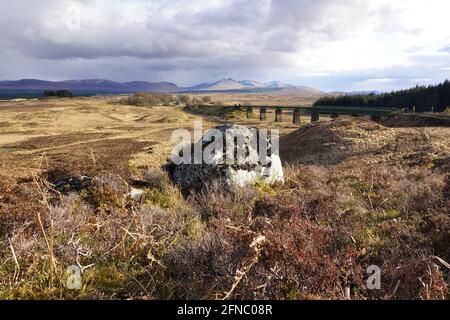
(249, 165)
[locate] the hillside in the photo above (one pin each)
(303, 91)
(103, 85)
(331, 143)
(91, 84)
(229, 84)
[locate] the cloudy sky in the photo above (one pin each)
(327, 44)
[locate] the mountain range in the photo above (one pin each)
(228, 84)
(91, 84)
(103, 85)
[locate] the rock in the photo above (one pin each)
(72, 184)
(246, 169)
(136, 194)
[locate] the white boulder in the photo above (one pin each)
(250, 163)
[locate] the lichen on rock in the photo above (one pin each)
(242, 162)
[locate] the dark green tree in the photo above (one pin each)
(423, 98)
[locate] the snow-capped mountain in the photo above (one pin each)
(104, 85)
(277, 85)
(228, 84)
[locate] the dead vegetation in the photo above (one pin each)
(150, 99)
(230, 244)
(333, 142)
(311, 238)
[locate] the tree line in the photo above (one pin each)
(58, 93)
(421, 98)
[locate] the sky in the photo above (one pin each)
(332, 45)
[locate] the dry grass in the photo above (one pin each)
(340, 140)
(232, 244)
(311, 238)
(285, 98)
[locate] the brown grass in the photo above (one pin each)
(312, 238)
(233, 244)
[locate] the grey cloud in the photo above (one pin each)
(188, 41)
(239, 28)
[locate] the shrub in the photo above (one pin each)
(185, 99)
(312, 238)
(156, 178)
(206, 99)
(58, 93)
(149, 99)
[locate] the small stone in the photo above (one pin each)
(136, 194)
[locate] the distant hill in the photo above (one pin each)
(350, 93)
(304, 91)
(229, 84)
(102, 86)
(221, 85)
(278, 85)
(90, 84)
